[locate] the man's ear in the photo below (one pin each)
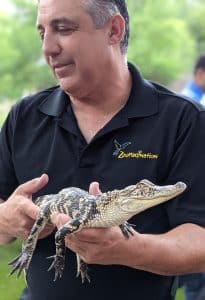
(116, 29)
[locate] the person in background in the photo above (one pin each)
(195, 89)
(103, 126)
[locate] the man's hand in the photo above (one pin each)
(18, 213)
(100, 245)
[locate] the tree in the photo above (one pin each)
(24, 69)
(157, 40)
(197, 28)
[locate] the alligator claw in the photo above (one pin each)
(83, 271)
(126, 229)
(19, 263)
(58, 265)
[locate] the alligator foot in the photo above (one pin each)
(19, 263)
(127, 229)
(58, 265)
(82, 270)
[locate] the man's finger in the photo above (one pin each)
(94, 188)
(59, 219)
(46, 231)
(31, 210)
(32, 186)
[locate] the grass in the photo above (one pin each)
(11, 287)
(180, 294)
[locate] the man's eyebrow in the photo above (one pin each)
(57, 21)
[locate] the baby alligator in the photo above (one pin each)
(104, 210)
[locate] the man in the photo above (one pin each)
(105, 124)
(195, 89)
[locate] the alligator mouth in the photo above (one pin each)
(138, 203)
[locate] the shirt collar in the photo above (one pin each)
(55, 103)
(142, 102)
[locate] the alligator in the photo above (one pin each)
(106, 209)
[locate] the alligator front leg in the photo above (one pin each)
(59, 258)
(126, 229)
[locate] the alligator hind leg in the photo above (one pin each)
(22, 261)
(59, 258)
(82, 269)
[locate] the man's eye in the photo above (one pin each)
(65, 30)
(41, 34)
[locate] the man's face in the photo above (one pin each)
(74, 49)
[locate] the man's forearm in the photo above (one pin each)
(4, 238)
(180, 251)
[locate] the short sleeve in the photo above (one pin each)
(188, 165)
(8, 181)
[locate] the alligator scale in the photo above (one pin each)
(107, 209)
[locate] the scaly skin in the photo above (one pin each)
(108, 209)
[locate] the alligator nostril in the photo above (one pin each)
(181, 185)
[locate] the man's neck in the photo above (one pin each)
(97, 109)
(108, 97)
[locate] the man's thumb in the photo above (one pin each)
(94, 188)
(59, 219)
(32, 186)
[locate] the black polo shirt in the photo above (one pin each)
(158, 136)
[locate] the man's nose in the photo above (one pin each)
(50, 46)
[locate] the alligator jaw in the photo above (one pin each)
(145, 195)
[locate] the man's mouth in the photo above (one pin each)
(62, 69)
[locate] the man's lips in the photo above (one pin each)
(60, 65)
(61, 69)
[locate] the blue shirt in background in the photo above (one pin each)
(193, 91)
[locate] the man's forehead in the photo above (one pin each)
(60, 1)
(51, 6)
(49, 10)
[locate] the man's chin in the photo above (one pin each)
(66, 85)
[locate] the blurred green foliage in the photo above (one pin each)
(23, 69)
(10, 287)
(165, 40)
(180, 294)
(158, 36)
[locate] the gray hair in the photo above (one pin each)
(102, 10)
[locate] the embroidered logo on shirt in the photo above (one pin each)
(120, 152)
(119, 147)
